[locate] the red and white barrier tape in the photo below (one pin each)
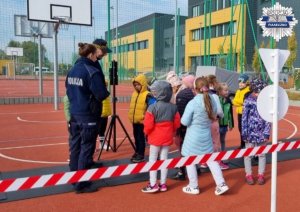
(25, 183)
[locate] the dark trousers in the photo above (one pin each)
(223, 131)
(102, 126)
(139, 137)
(82, 146)
(242, 145)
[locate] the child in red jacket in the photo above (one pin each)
(160, 124)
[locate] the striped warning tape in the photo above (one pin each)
(25, 183)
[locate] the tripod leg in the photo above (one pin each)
(124, 129)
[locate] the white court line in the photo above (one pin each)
(30, 139)
(295, 128)
(30, 161)
(43, 122)
(17, 113)
(47, 162)
(32, 146)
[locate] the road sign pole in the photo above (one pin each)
(275, 129)
(273, 59)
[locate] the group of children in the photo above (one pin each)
(196, 114)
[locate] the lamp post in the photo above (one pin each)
(200, 38)
(175, 36)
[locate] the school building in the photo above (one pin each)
(215, 33)
(147, 44)
(211, 41)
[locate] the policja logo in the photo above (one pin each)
(277, 21)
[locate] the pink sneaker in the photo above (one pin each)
(250, 179)
(223, 166)
(150, 189)
(261, 179)
(163, 187)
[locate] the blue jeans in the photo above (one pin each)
(223, 131)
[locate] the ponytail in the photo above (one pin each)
(208, 106)
(201, 86)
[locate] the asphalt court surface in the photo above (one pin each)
(34, 137)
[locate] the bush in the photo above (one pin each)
(293, 95)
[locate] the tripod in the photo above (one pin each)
(112, 129)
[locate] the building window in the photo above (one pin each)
(131, 47)
(214, 6)
(196, 34)
(219, 30)
(234, 27)
(196, 11)
(202, 8)
(226, 29)
(182, 40)
(236, 2)
(226, 3)
(213, 31)
(143, 44)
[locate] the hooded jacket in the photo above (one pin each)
(162, 118)
(238, 99)
(254, 128)
(198, 139)
(138, 104)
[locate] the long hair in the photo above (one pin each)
(201, 86)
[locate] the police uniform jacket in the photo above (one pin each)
(85, 89)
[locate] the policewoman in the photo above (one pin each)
(86, 91)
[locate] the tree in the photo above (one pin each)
(13, 43)
(240, 57)
(221, 59)
(3, 55)
(292, 46)
(30, 52)
(255, 59)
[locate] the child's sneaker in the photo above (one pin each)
(151, 189)
(163, 187)
(221, 189)
(249, 179)
(223, 166)
(261, 179)
(203, 165)
(189, 190)
(138, 159)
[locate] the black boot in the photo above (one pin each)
(180, 175)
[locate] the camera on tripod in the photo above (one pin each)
(113, 73)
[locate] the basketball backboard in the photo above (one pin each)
(69, 11)
(13, 51)
(26, 28)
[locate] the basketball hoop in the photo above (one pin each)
(62, 22)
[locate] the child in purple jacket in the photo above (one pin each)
(255, 131)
